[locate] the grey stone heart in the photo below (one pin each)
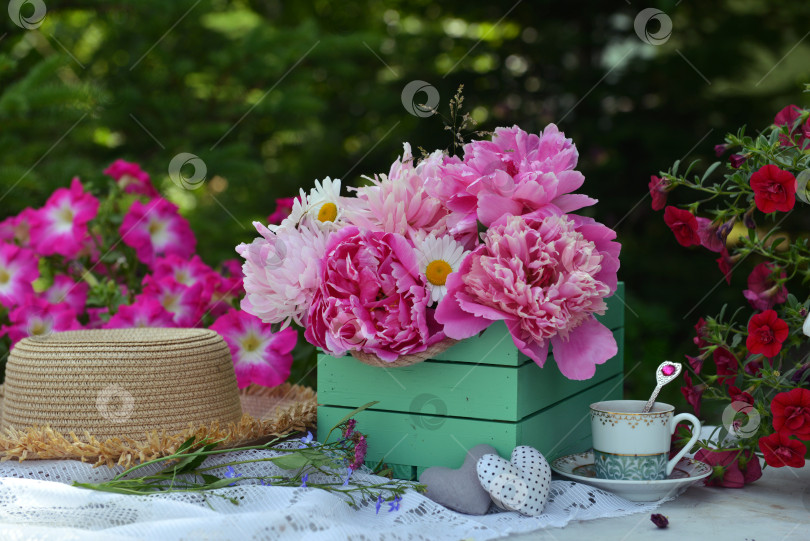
(459, 489)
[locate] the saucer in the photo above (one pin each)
(687, 472)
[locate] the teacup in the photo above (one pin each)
(631, 445)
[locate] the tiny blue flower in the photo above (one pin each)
(394, 505)
(264, 483)
(379, 503)
(304, 480)
(348, 476)
(306, 441)
(230, 473)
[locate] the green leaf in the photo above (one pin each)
(709, 171)
(292, 461)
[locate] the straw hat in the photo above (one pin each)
(118, 396)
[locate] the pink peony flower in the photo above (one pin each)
(17, 229)
(60, 227)
(399, 202)
(19, 268)
(282, 272)
(184, 303)
(763, 292)
(284, 207)
(546, 279)
(371, 297)
(156, 228)
(516, 173)
(65, 290)
(37, 317)
(144, 312)
(260, 356)
(132, 178)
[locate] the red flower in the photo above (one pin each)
(701, 333)
(791, 413)
(693, 394)
(709, 238)
(731, 469)
(779, 450)
(766, 332)
(695, 362)
(724, 263)
(737, 395)
(763, 292)
(658, 190)
(774, 189)
(683, 224)
(788, 117)
(727, 365)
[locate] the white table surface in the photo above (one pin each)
(775, 508)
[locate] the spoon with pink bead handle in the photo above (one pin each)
(665, 373)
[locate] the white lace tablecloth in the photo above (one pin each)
(37, 502)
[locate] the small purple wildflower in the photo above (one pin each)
(304, 480)
(360, 449)
(737, 160)
(230, 473)
(659, 520)
(394, 505)
(349, 430)
(306, 441)
(379, 503)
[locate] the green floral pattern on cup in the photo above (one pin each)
(630, 468)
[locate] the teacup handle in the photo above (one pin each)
(688, 417)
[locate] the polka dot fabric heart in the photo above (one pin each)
(521, 484)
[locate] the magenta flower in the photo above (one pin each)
(788, 117)
(360, 450)
(709, 239)
(260, 356)
(763, 292)
(96, 317)
(17, 229)
(371, 297)
(37, 317)
(737, 160)
(516, 174)
(184, 303)
(184, 271)
(132, 178)
(284, 207)
(19, 268)
(60, 227)
(65, 290)
(156, 228)
(144, 312)
(546, 279)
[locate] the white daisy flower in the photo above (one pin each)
(438, 257)
(325, 206)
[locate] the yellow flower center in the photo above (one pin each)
(437, 271)
(66, 215)
(38, 328)
(4, 276)
(251, 343)
(328, 212)
(155, 227)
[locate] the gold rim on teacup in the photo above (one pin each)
(667, 408)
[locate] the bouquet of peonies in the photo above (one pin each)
(125, 259)
(439, 249)
(756, 352)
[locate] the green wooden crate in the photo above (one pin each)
(482, 390)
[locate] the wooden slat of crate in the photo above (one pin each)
(505, 393)
(423, 440)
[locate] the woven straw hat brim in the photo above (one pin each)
(268, 413)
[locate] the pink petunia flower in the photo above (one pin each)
(260, 356)
(38, 317)
(156, 228)
(282, 272)
(516, 174)
(763, 292)
(17, 229)
(184, 303)
(132, 178)
(19, 268)
(144, 312)
(184, 271)
(371, 298)
(546, 279)
(400, 203)
(60, 227)
(66, 290)
(284, 206)
(97, 317)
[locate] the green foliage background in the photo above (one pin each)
(272, 95)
